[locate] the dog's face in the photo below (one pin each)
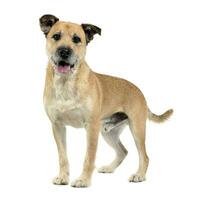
(66, 43)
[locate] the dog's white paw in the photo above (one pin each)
(106, 169)
(81, 182)
(61, 180)
(137, 178)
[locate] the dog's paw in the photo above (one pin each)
(106, 169)
(61, 180)
(137, 178)
(81, 182)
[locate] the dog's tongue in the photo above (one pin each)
(63, 69)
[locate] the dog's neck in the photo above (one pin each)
(81, 74)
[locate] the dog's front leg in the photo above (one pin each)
(59, 132)
(84, 180)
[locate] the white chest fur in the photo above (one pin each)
(65, 106)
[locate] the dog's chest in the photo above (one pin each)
(65, 105)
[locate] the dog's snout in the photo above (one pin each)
(64, 52)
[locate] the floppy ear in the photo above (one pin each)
(46, 22)
(90, 30)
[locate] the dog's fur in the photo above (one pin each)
(84, 99)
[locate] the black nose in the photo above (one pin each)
(64, 52)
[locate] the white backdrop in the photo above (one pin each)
(154, 44)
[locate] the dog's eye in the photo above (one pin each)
(56, 36)
(76, 39)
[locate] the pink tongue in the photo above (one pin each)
(63, 69)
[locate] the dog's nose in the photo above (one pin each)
(64, 52)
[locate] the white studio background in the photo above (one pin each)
(154, 44)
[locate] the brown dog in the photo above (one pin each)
(74, 95)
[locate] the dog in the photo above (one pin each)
(76, 96)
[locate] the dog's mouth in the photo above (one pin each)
(64, 67)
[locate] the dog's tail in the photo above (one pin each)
(160, 118)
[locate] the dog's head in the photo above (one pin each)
(66, 42)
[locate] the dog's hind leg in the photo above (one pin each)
(111, 133)
(137, 124)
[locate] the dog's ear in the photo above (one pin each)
(90, 30)
(46, 22)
